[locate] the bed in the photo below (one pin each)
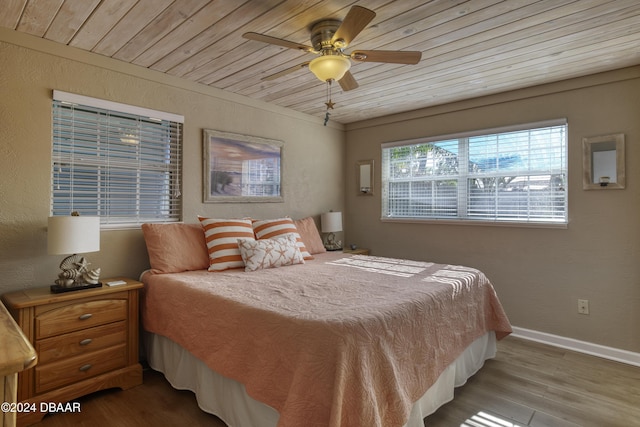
(334, 340)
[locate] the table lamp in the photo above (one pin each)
(331, 222)
(74, 235)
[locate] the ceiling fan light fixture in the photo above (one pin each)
(329, 67)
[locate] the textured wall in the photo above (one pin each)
(31, 68)
(539, 273)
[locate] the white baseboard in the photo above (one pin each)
(598, 350)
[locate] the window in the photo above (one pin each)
(261, 177)
(116, 161)
(510, 175)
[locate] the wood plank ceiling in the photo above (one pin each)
(469, 48)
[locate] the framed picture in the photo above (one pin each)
(240, 168)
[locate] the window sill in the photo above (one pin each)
(465, 222)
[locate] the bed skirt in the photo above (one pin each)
(227, 399)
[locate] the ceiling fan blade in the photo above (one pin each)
(389, 56)
(286, 71)
(278, 42)
(356, 20)
(348, 82)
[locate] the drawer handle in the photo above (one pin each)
(85, 368)
(86, 341)
(85, 316)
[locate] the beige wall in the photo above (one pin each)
(31, 68)
(539, 273)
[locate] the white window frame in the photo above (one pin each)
(463, 177)
(120, 162)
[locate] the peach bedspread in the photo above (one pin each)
(339, 341)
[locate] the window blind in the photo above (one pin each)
(120, 165)
(513, 174)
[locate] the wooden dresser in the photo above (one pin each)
(85, 340)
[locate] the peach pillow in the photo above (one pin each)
(310, 235)
(221, 237)
(175, 247)
(271, 228)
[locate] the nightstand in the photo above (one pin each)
(358, 251)
(86, 341)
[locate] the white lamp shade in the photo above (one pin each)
(331, 222)
(329, 67)
(73, 234)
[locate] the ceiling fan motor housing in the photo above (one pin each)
(321, 34)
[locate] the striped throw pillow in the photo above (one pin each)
(222, 237)
(270, 228)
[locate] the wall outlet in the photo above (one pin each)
(583, 306)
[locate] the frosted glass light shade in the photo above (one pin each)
(329, 67)
(331, 222)
(73, 234)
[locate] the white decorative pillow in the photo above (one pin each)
(270, 253)
(222, 237)
(271, 228)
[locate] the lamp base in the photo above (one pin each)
(58, 289)
(331, 244)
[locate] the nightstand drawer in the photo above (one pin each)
(74, 317)
(74, 343)
(74, 369)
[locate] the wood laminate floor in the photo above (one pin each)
(527, 384)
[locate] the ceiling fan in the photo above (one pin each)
(329, 38)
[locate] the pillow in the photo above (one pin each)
(221, 237)
(174, 248)
(270, 228)
(310, 235)
(270, 253)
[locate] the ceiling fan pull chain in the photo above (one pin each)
(326, 116)
(329, 104)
